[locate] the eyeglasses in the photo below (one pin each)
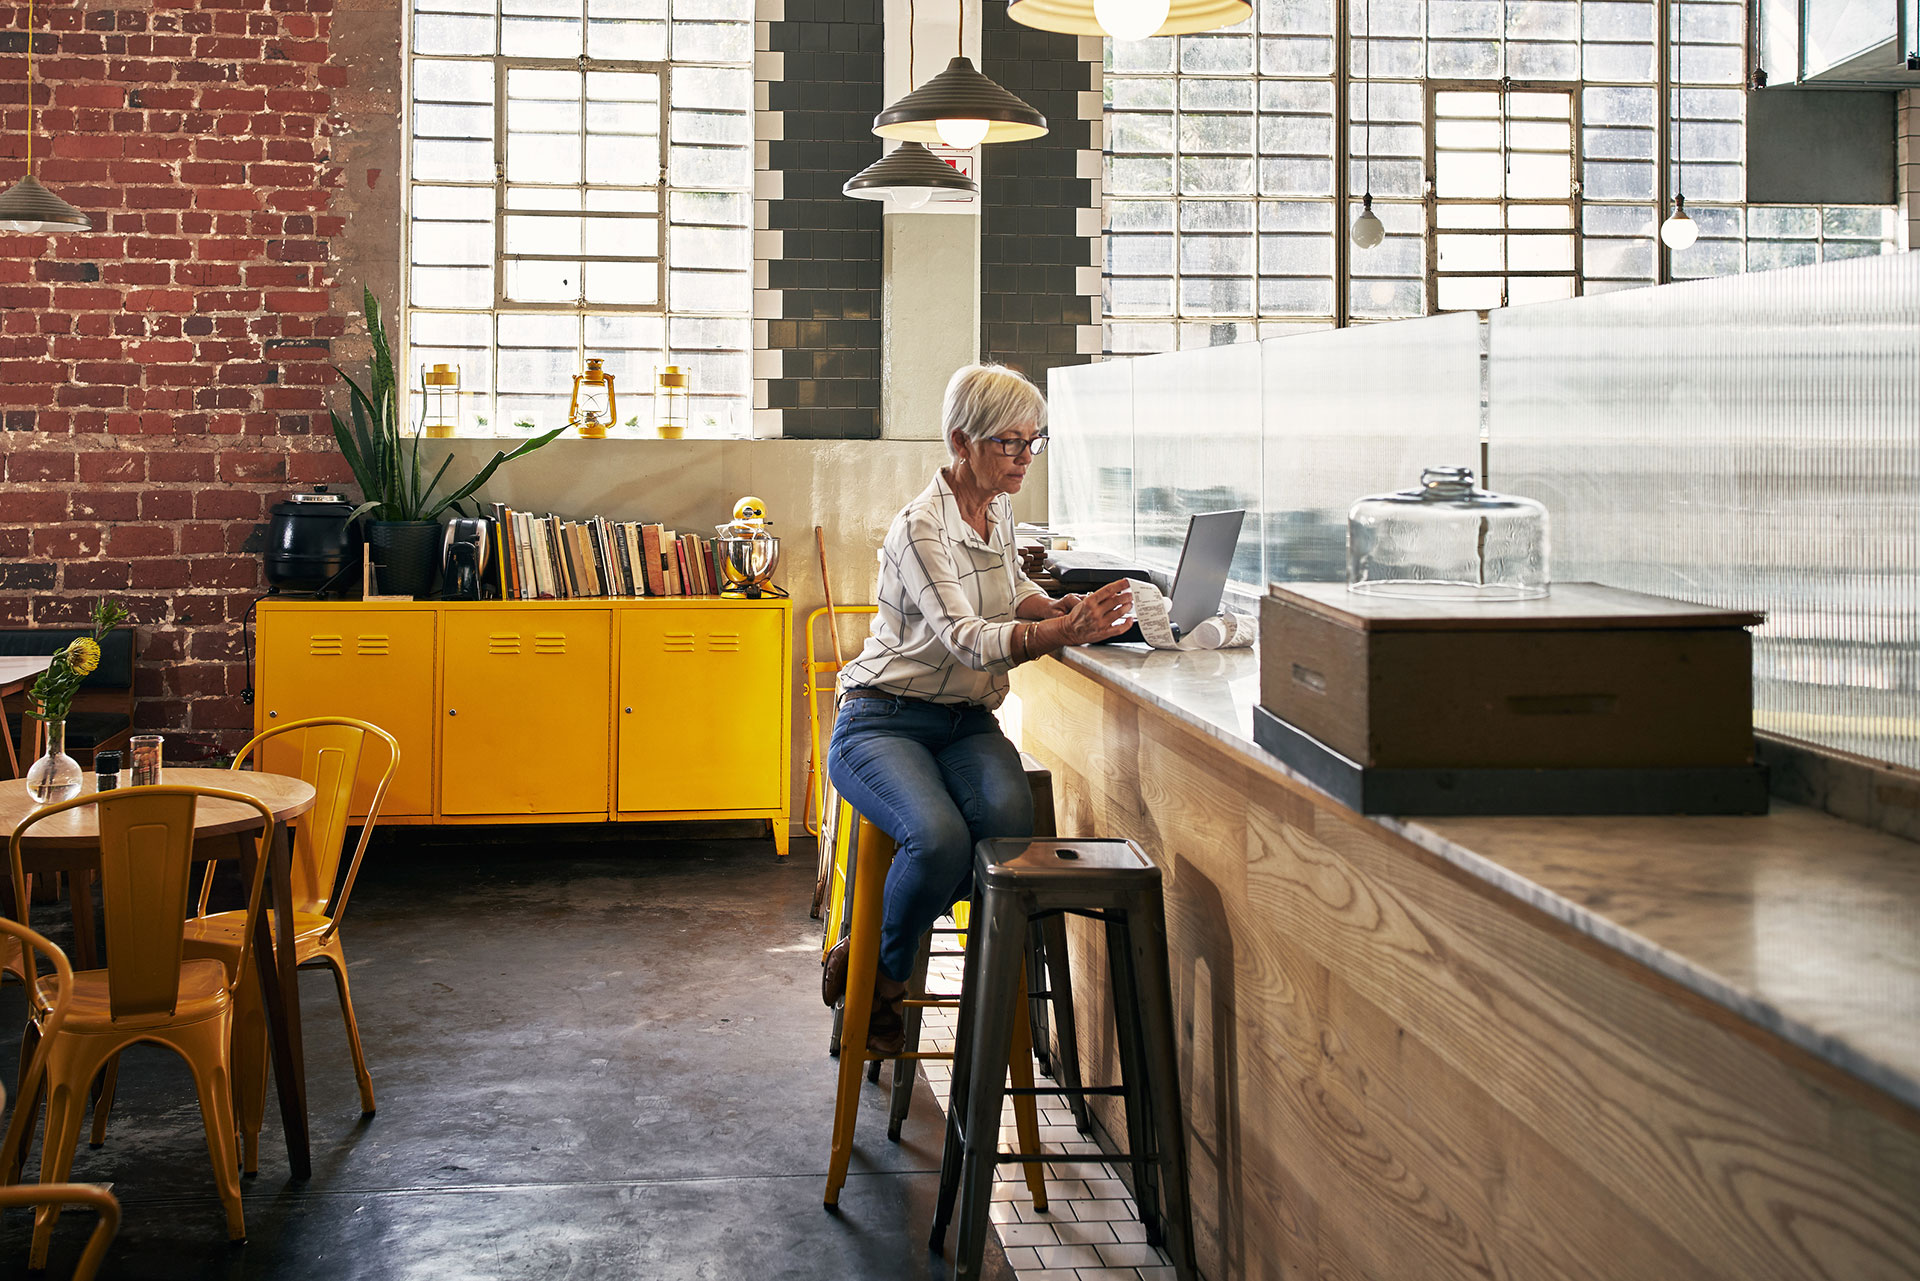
(1014, 446)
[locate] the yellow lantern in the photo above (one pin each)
(593, 408)
(440, 388)
(670, 403)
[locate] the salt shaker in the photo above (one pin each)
(106, 768)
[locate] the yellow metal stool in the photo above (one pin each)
(871, 854)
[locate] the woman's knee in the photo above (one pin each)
(943, 843)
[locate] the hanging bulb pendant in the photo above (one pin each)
(1368, 230)
(1679, 231)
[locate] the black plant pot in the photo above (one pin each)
(405, 555)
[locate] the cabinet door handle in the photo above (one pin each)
(271, 715)
(629, 711)
(453, 711)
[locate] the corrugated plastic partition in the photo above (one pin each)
(1351, 412)
(1090, 463)
(1750, 441)
(1196, 448)
(1292, 429)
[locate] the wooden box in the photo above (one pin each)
(1588, 677)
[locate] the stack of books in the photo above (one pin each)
(548, 558)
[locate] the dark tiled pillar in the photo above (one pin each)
(821, 297)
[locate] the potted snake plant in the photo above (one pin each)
(401, 505)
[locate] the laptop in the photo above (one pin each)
(1201, 578)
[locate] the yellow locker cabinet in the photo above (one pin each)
(701, 710)
(373, 664)
(552, 711)
(525, 698)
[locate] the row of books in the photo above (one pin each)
(547, 558)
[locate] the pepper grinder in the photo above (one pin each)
(106, 767)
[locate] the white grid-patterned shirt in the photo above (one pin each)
(947, 599)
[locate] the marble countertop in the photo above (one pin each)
(1802, 923)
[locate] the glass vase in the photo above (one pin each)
(55, 776)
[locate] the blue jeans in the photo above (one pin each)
(937, 778)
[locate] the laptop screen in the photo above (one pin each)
(1201, 580)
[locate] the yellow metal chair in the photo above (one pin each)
(149, 991)
(330, 750)
(816, 807)
(18, 940)
(871, 853)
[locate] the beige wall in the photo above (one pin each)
(850, 488)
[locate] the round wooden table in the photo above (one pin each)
(76, 833)
(70, 842)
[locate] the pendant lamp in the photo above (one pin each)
(1129, 19)
(910, 175)
(1679, 231)
(958, 108)
(1367, 229)
(27, 206)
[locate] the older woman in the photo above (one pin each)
(916, 748)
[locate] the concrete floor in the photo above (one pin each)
(592, 1059)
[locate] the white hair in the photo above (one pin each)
(986, 400)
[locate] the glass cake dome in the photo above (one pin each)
(1447, 540)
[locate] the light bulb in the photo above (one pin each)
(1130, 19)
(962, 135)
(1679, 231)
(910, 197)
(1367, 230)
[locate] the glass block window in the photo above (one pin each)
(1231, 136)
(579, 185)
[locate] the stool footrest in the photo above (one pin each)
(933, 1002)
(1077, 1091)
(1063, 1158)
(913, 1056)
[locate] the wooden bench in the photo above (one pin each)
(102, 714)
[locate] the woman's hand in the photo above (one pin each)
(1099, 615)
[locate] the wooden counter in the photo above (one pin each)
(1528, 1048)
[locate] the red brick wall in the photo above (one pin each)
(163, 378)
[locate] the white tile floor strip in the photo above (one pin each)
(1090, 1230)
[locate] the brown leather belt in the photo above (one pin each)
(867, 691)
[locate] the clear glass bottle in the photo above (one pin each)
(55, 776)
(1448, 540)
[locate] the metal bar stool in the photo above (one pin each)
(1112, 881)
(1047, 963)
(1048, 969)
(872, 856)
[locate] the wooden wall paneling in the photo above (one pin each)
(1392, 1071)
(1717, 1142)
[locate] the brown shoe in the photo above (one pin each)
(833, 974)
(886, 1026)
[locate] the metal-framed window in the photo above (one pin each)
(1308, 64)
(1503, 199)
(580, 184)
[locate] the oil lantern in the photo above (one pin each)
(593, 407)
(440, 389)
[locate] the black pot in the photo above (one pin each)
(405, 553)
(309, 543)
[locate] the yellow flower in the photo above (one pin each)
(84, 655)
